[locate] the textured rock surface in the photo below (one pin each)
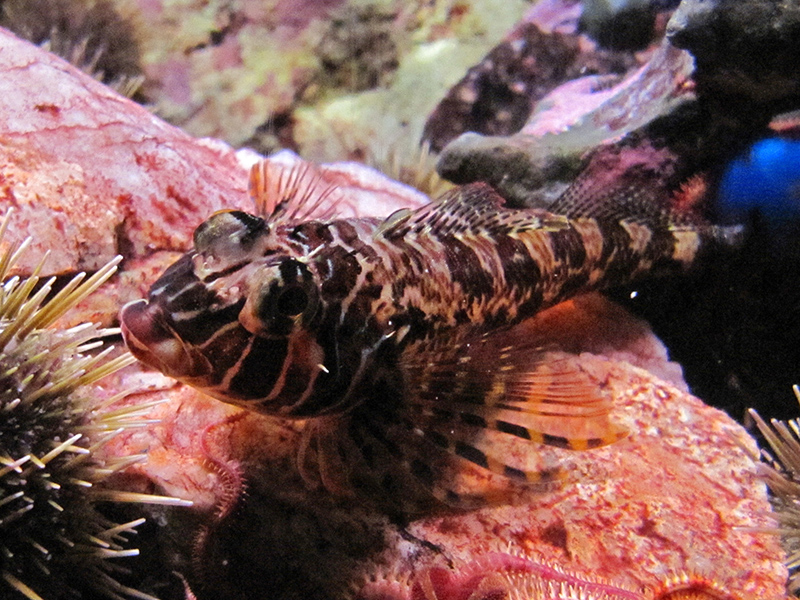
(538, 161)
(322, 76)
(677, 496)
(98, 172)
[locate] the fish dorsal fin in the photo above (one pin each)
(290, 193)
(633, 182)
(474, 209)
(618, 202)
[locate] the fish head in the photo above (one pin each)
(231, 315)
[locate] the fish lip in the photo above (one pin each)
(150, 338)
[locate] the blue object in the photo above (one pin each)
(767, 179)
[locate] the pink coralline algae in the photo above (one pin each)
(97, 171)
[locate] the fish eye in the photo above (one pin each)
(292, 301)
(286, 298)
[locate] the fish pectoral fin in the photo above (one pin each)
(497, 407)
(521, 390)
(474, 427)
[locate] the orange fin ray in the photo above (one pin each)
(522, 390)
(291, 193)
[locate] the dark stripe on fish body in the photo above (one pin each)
(466, 269)
(225, 272)
(192, 297)
(312, 234)
(226, 350)
(347, 233)
(662, 248)
(618, 259)
(532, 305)
(178, 276)
(519, 268)
(615, 241)
(296, 384)
(364, 300)
(339, 270)
(259, 371)
(199, 330)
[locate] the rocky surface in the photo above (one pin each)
(678, 496)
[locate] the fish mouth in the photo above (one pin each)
(150, 339)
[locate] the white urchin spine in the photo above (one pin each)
(53, 541)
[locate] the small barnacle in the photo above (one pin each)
(54, 540)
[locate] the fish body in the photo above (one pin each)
(387, 335)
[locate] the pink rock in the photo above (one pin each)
(94, 174)
(677, 498)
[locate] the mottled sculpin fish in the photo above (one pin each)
(387, 336)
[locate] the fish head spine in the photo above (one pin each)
(236, 318)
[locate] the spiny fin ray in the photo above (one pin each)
(522, 390)
(290, 193)
(472, 210)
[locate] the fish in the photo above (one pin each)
(388, 338)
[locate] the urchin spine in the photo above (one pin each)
(54, 543)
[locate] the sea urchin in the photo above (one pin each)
(780, 469)
(54, 543)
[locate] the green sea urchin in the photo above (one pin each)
(781, 472)
(54, 543)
